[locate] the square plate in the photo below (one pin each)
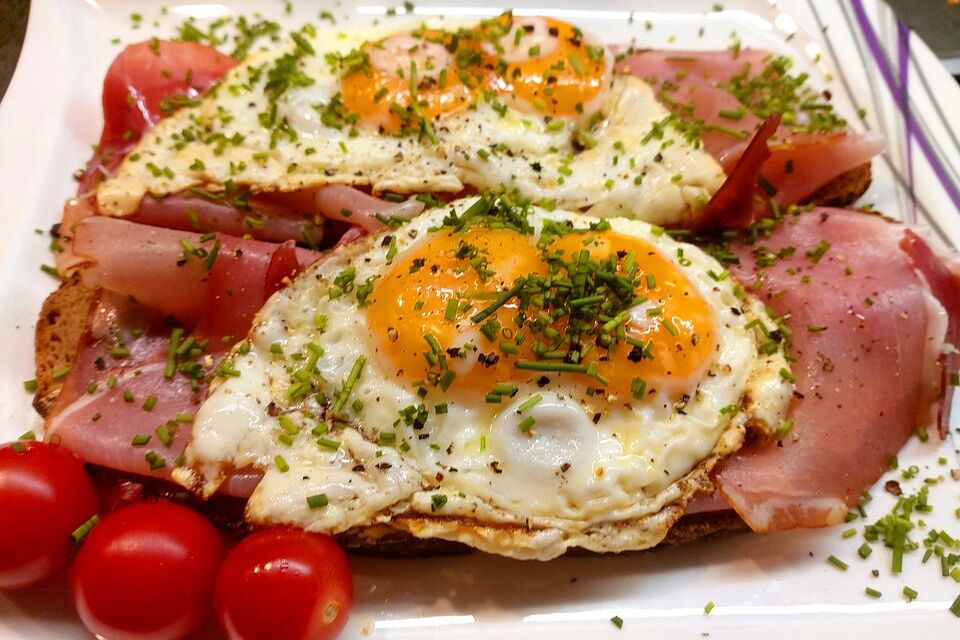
(778, 583)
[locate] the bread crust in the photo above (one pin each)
(843, 190)
(60, 326)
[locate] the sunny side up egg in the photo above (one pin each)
(521, 380)
(530, 104)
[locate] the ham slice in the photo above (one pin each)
(733, 203)
(145, 82)
(259, 220)
(690, 84)
(943, 277)
(347, 204)
(175, 272)
(866, 333)
(104, 402)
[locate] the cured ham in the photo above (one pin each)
(145, 82)
(258, 220)
(118, 392)
(177, 272)
(347, 204)
(702, 89)
(944, 282)
(733, 204)
(866, 334)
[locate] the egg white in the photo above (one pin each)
(663, 179)
(614, 482)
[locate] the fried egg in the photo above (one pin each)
(518, 379)
(519, 103)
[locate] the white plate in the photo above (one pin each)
(762, 585)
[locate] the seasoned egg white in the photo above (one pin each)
(615, 155)
(598, 466)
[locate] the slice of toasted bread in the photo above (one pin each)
(59, 328)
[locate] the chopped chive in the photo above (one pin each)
(558, 367)
(501, 300)
(317, 501)
(437, 501)
(864, 551)
(433, 342)
(30, 386)
(708, 607)
(911, 594)
(155, 461)
(451, 311)
(288, 424)
(526, 424)
(150, 403)
(617, 622)
(529, 403)
(955, 607)
(504, 389)
(838, 563)
(350, 383)
(446, 379)
(83, 530)
(141, 440)
(28, 435)
(873, 593)
(164, 435)
(327, 443)
(281, 463)
(171, 367)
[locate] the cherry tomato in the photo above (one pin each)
(45, 494)
(284, 584)
(147, 572)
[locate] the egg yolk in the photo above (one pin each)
(550, 65)
(674, 323)
(434, 313)
(412, 80)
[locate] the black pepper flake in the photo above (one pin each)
(893, 487)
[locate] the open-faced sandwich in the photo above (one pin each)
(493, 283)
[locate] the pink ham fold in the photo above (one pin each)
(152, 265)
(866, 334)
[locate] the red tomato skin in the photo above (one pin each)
(284, 584)
(45, 494)
(146, 572)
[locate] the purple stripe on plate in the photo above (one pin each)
(883, 64)
(903, 101)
